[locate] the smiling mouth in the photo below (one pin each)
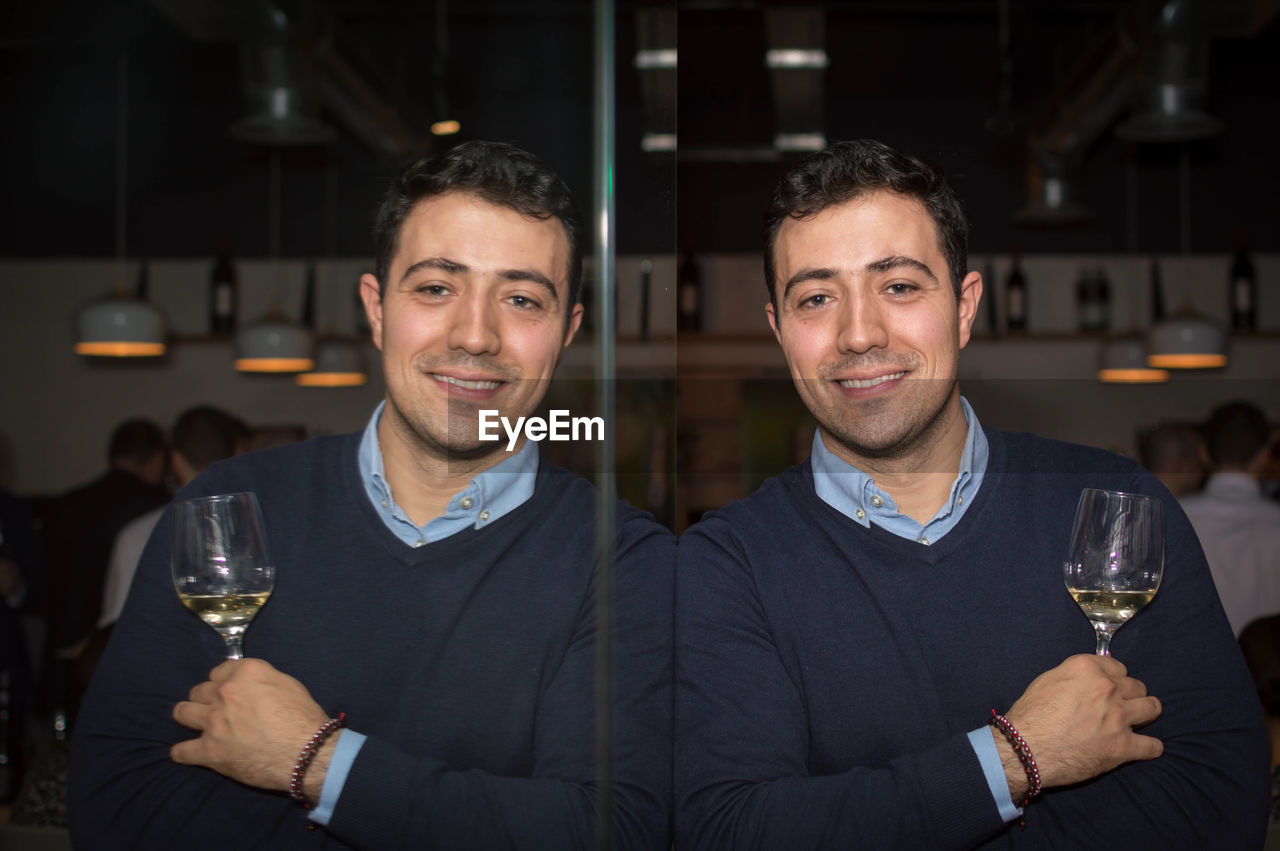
(863, 384)
(466, 384)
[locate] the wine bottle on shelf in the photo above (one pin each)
(142, 286)
(689, 311)
(1157, 292)
(223, 293)
(309, 298)
(1244, 289)
(1101, 300)
(646, 278)
(1015, 297)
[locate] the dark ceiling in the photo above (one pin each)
(922, 75)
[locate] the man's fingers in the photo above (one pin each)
(188, 752)
(193, 716)
(1144, 747)
(1142, 710)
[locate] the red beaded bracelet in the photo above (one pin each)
(309, 751)
(1023, 751)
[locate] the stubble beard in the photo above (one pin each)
(876, 431)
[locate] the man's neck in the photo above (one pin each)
(423, 481)
(919, 481)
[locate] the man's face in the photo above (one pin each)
(473, 317)
(869, 323)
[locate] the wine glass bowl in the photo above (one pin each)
(221, 567)
(1115, 560)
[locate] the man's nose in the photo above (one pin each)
(862, 323)
(474, 329)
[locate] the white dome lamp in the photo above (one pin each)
(274, 344)
(1124, 361)
(1186, 341)
(339, 363)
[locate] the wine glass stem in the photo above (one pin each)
(1104, 642)
(235, 650)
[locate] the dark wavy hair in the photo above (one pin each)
(849, 170)
(496, 172)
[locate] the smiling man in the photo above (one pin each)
(845, 634)
(434, 592)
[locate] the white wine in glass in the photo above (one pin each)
(1116, 558)
(221, 568)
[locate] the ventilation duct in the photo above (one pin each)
(280, 84)
(656, 61)
(797, 62)
(1175, 82)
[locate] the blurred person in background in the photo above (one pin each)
(1260, 643)
(1238, 526)
(201, 436)
(81, 530)
(1175, 453)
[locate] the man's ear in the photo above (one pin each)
(371, 297)
(571, 327)
(967, 304)
(773, 321)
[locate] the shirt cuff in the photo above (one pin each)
(984, 747)
(344, 756)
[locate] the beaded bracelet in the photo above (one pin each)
(1023, 751)
(309, 751)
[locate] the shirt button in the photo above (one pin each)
(467, 502)
(860, 514)
(924, 541)
(419, 543)
(384, 503)
(484, 515)
(877, 501)
(959, 500)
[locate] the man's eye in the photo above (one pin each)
(523, 301)
(433, 289)
(900, 288)
(815, 300)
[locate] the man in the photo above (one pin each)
(1238, 526)
(1174, 452)
(434, 587)
(844, 634)
(201, 436)
(78, 539)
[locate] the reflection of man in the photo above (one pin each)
(1238, 526)
(844, 634)
(201, 436)
(436, 589)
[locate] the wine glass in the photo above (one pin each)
(221, 569)
(1116, 558)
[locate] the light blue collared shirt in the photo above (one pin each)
(855, 495)
(493, 493)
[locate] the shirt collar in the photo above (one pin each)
(853, 493)
(489, 496)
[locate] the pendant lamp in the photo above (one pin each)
(121, 324)
(1187, 340)
(274, 344)
(339, 363)
(1124, 361)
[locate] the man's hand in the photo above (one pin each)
(1078, 720)
(253, 721)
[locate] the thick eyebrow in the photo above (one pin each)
(876, 267)
(806, 275)
(454, 268)
(898, 261)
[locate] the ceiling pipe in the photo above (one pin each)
(1174, 81)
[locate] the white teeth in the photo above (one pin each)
(858, 384)
(470, 385)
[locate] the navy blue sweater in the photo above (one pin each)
(827, 674)
(469, 663)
